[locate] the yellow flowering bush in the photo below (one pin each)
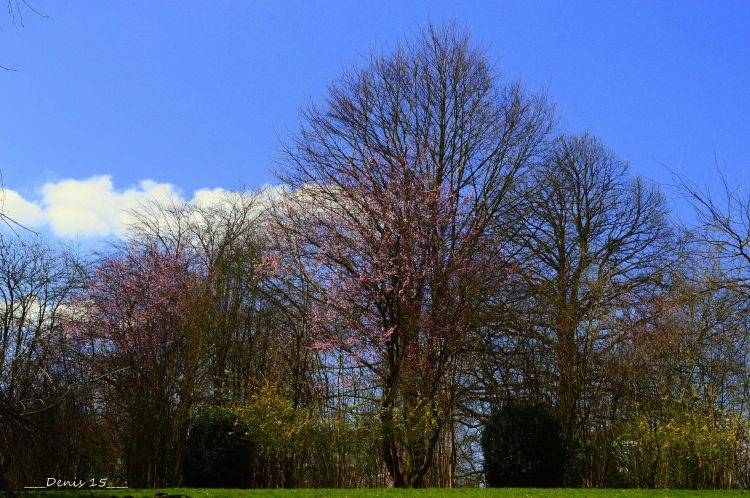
(680, 448)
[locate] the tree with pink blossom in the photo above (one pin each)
(394, 224)
(136, 324)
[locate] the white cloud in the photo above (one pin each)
(94, 207)
(210, 197)
(20, 210)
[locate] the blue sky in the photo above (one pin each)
(197, 94)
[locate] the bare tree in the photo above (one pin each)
(35, 282)
(592, 240)
(722, 229)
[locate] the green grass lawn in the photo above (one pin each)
(357, 493)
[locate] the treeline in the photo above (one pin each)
(440, 255)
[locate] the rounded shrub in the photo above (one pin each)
(217, 454)
(523, 447)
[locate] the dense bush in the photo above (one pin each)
(666, 446)
(523, 447)
(295, 446)
(279, 433)
(217, 453)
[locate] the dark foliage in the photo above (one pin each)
(217, 454)
(523, 447)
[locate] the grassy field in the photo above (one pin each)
(386, 493)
